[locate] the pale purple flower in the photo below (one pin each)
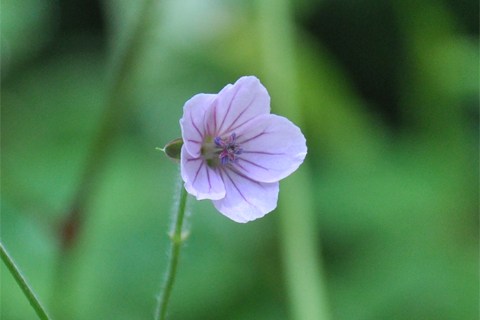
(235, 151)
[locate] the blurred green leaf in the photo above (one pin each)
(27, 27)
(397, 210)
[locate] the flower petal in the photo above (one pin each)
(273, 148)
(237, 105)
(192, 123)
(200, 180)
(245, 199)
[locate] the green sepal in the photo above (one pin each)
(173, 149)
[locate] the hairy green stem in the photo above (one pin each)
(20, 279)
(177, 240)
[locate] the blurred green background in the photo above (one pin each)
(386, 93)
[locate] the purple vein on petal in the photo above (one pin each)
(196, 174)
(245, 177)
(228, 109)
(238, 117)
(226, 114)
(209, 133)
(208, 178)
(239, 191)
(195, 126)
(194, 141)
(255, 137)
(240, 165)
(252, 163)
(215, 118)
(269, 153)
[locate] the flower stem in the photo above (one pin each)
(20, 279)
(177, 240)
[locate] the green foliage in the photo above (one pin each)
(396, 208)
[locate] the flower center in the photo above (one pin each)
(229, 149)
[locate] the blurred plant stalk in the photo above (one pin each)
(300, 239)
(118, 71)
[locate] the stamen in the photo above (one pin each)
(229, 149)
(219, 142)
